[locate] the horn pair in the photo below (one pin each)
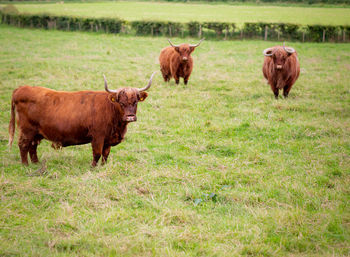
(139, 89)
(190, 45)
(269, 52)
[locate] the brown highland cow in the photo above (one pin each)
(176, 61)
(281, 68)
(73, 118)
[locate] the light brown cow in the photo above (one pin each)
(176, 61)
(281, 68)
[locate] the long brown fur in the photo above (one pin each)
(72, 118)
(172, 64)
(285, 77)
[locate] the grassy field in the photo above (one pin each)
(199, 12)
(215, 168)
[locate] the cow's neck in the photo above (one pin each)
(118, 127)
(118, 123)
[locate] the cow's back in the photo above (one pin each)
(59, 116)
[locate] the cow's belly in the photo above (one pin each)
(65, 137)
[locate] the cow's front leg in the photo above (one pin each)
(275, 91)
(177, 79)
(97, 145)
(286, 90)
(105, 152)
(186, 79)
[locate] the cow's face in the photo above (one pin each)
(279, 58)
(278, 55)
(126, 100)
(184, 51)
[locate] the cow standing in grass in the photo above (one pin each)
(281, 68)
(73, 118)
(176, 61)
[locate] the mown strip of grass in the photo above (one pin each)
(180, 12)
(279, 169)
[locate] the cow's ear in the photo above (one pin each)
(192, 49)
(269, 53)
(113, 97)
(177, 49)
(143, 95)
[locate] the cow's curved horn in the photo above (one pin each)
(172, 43)
(149, 83)
(106, 86)
(265, 52)
(198, 43)
(289, 50)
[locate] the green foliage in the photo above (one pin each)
(276, 31)
(153, 28)
(193, 28)
(252, 29)
(47, 21)
(157, 28)
(289, 30)
(218, 27)
(331, 33)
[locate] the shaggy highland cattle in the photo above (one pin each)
(176, 61)
(73, 118)
(281, 68)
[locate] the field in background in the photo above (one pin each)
(217, 168)
(195, 12)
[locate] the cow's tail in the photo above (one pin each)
(12, 125)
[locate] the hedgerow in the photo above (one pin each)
(213, 30)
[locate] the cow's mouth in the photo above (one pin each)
(131, 118)
(279, 67)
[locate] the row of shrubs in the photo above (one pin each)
(214, 30)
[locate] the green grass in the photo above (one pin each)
(279, 169)
(181, 12)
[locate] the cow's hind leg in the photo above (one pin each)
(24, 144)
(32, 148)
(105, 152)
(286, 90)
(32, 152)
(166, 74)
(97, 146)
